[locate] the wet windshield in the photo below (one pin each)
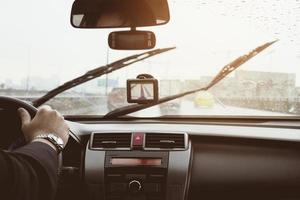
(40, 50)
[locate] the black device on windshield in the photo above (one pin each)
(142, 90)
(122, 14)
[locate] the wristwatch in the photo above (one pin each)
(55, 140)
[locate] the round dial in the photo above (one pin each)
(134, 186)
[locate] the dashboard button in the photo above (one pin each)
(152, 187)
(140, 177)
(114, 175)
(138, 139)
(156, 176)
(118, 187)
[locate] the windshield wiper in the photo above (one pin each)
(227, 69)
(99, 71)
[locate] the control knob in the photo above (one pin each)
(134, 186)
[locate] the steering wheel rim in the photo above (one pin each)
(11, 103)
(14, 103)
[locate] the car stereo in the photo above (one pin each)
(131, 162)
(135, 175)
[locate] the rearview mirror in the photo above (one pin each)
(131, 40)
(119, 13)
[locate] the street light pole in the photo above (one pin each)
(106, 76)
(28, 70)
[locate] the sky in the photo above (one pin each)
(37, 40)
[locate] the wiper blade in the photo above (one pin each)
(227, 69)
(97, 72)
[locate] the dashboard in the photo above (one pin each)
(181, 160)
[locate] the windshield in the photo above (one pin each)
(40, 50)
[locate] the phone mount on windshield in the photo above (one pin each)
(142, 90)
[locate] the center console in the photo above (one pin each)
(135, 175)
(133, 170)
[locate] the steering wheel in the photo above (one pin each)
(9, 103)
(9, 114)
(11, 122)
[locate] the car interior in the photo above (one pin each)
(208, 144)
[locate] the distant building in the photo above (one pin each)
(197, 83)
(266, 85)
(169, 87)
(252, 85)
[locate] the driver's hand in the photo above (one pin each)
(46, 121)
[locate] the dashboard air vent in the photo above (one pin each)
(165, 140)
(111, 140)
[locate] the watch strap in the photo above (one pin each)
(53, 139)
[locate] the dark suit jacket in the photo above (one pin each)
(28, 173)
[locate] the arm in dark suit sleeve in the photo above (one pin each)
(29, 173)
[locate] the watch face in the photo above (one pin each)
(57, 139)
(60, 141)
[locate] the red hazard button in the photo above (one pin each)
(138, 139)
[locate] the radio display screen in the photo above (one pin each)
(136, 161)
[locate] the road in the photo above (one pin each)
(188, 108)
